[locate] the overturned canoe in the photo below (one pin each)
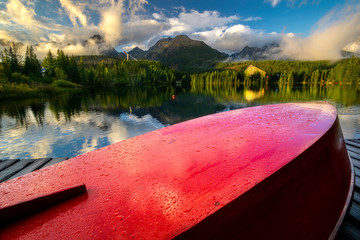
(276, 171)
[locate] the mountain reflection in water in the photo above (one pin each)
(71, 124)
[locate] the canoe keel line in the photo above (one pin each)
(277, 171)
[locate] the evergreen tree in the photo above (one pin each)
(6, 63)
(14, 59)
(49, 65)
(62, 60)
(73, 71)
(31, 65)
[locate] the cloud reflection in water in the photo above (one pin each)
(62, 138)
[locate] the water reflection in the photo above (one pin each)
(71, 124)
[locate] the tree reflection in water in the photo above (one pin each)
(70, 124)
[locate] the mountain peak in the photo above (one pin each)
(182, 37)
(184, 53)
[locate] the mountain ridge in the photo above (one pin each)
(183, 53)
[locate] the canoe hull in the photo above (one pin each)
(278, 171)
(303, 200)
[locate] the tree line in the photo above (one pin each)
(28, 74)
(69, 71)
(345, 71)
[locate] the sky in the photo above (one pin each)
(304, 29)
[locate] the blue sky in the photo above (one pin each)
(304, 29)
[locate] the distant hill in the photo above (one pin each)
(267, 52)
(182, 53)
(137, 53)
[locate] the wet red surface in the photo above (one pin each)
(161, 184)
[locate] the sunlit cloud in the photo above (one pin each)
(20, 14)
(335, 31)
(111, 23)
(75, 12)
(195, 21)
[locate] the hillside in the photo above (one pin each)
(183, 54)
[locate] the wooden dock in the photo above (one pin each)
(351, 226)
(13, 168)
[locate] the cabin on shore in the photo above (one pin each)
(252, 70)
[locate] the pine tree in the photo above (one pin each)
(31, 65)
(14, 59)
(49, 65)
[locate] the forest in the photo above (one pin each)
(28, 76)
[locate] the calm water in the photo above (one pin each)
(76, 123)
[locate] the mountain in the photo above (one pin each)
(183, 54)
(137, 53)
(267, 52)
(349, 54)
(102, 47)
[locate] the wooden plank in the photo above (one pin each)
(37, 164)
(6, 163)
(355, 211)
(354, 155)
(54, 161)
(352, 143)
(356, 197)
(13, 169)
(355, 162)
(357, 183)
(353, 149)
(355, 140)
(357, 171)
(349, 231)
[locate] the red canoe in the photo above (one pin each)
(276, 171)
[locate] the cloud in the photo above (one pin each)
(273, 2)
(194, 21)
(249, 19)
(7, 36)
(292, 3)
(111, 22)
(74, 12)
(126, 23)
(141, 30)
(235, 38)
(335, 31)
(20, 14)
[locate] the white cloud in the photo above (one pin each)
(111, 22)
(235, 38)
(194, 21)
(20, 14)
(273, 2)
(333, 33)
(141, 30)
(249, 19)
(74, 12)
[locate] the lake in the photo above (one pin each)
(75, 123)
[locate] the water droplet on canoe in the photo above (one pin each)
(187, 210)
